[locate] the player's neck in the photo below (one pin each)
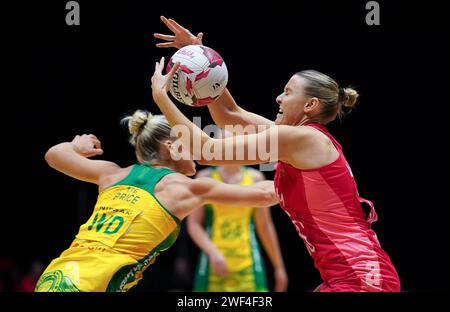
(308, 120)
(168, 165)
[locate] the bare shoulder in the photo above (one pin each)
(115, 174)
(314, 150)
(173, 181)
(291, 139)
(296, 131)
(202, 185)
(303, 136)
(256, 174)
(313, 132)
(179, 181)
(175, 177)
(204, 173)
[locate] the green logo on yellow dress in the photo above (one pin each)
(55, 281)
(112, 227)
(230, 229)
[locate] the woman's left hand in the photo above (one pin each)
(281, 280)
(181, 36)
(160, 82)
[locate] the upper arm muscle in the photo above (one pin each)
(225, 112)
(213, 191)
(275, 143)
(79, 167)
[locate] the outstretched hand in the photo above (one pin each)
(87, 145)
(160, 82)
(268, 187)
(182, 37)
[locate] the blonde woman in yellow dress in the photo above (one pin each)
(139, 207)
(230, 257)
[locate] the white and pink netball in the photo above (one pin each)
(201, 77)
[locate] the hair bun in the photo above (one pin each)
(138, 121)
(349, 97)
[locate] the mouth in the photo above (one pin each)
(280, 113)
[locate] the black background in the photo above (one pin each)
(59, 81)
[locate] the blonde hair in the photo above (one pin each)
(335, 100)
(147, 133)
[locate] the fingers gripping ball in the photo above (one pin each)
(201, 77)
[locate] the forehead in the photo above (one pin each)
(295, 83)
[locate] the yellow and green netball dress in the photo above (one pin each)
(231, 229)
(127, 230)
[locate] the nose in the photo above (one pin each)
(278, 99)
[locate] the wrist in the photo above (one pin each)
(158, 94)
(75, 148)
(211, 253)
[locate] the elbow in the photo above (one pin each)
(230, 119)
(220, 121)
(56, 153)
(50, 156)
(227, 118)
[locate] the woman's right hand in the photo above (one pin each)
(160, 83)
(182, 37)
(87, 145)
(218, 263)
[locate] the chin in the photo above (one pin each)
(191, 173)
(279, 119)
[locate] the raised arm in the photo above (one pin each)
(71, 158)
(224, 110)
(195, 193)
(249, 149)
(260, 194)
